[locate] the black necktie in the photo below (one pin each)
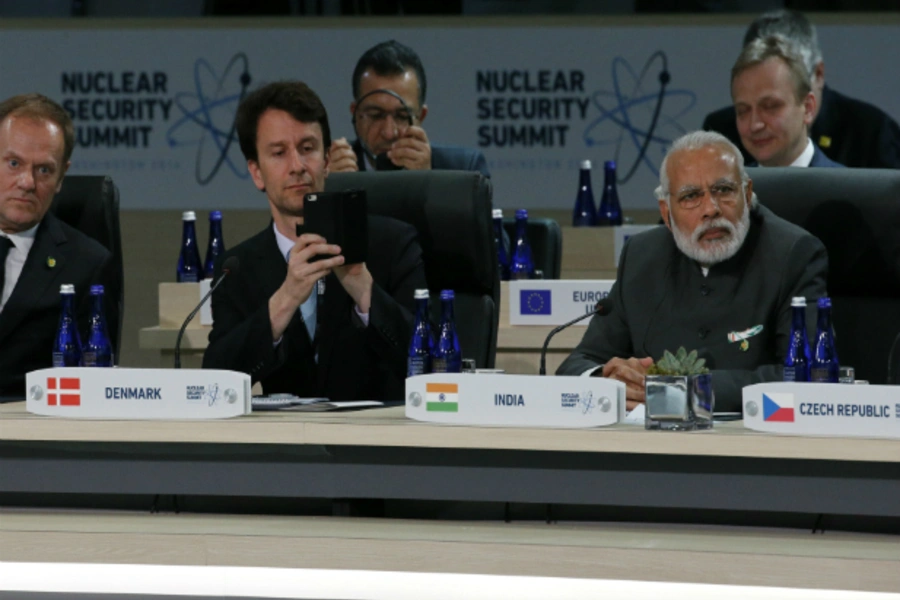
(5, 245)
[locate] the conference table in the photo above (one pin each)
(598, 499)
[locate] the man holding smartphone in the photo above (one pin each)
(301, 325)
(388, 110)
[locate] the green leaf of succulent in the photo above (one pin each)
(681, 363)
(690, 359)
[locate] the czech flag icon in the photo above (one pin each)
(778, 407)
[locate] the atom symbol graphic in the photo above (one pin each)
(209, 118)
(636, 118)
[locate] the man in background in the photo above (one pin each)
(774, 105)
(38, 252)
(849, 131)
(388, 110)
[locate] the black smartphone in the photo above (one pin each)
(340, 218)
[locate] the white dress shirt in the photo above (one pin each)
(15, 260)
(806, 156)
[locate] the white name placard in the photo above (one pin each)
(114, 393)
(554, 301)
(623, 232)
(515, 400)
(823, 409)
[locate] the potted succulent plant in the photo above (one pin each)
(678, 391)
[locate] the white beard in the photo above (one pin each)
(713, 251)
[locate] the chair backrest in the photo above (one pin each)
(90, 204)
(856, 214)
(893, 377)
(545, 238)
(451, 211)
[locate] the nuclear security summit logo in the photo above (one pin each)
(639, 117)
(207, 118)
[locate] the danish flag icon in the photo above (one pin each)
(63, 391)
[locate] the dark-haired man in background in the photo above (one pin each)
(273, 319)
(38, 252)
(849, 131)
(388, 110)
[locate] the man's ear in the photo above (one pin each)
(423, 113)
(256, 174)
(664, 212)
(749, 193)
(819, 75)
(62, 176)
(809, 108)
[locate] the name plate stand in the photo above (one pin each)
(835, 409)
(515, 400)
(554, 301)
(117, 393)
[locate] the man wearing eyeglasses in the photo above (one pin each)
(718, 279)
(388, 111)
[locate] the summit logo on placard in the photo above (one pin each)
(778, 408)
(63, 391)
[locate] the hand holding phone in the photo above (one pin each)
(342, 219)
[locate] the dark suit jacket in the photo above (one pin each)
(662, 301)
(30, 318)
(849, 131)
(355, 362)
(443, 158)
(819, 160)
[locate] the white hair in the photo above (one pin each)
(695, 140)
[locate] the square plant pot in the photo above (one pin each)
(679, 403)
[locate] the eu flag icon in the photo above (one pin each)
(534, 302)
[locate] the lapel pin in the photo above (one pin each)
(51, 262)
(744, 336)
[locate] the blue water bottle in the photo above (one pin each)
(610, 212)
(447, 357)
(521, 266)
(796, 361)
(824, 367)
(67, 345)
(502, 255)
(97, 350)
(585, 213)
(216, 244)
(189, 267)
(418, 361)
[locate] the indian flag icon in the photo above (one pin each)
(442, 397)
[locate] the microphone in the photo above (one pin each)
(603, 308)
(232, 265)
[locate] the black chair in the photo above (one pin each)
(451, 210)
(856, 214)
(90, 204)
(893, 377)
(545, 238)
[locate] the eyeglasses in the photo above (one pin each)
(402, 118)
(725, 192)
